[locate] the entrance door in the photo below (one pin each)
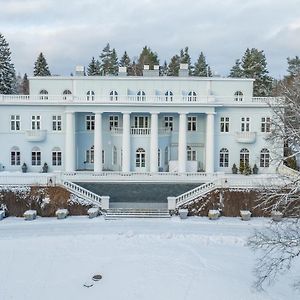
(140, 160)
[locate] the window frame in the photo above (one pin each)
(245, 124)
(36, 122)
(15, 122)
(225, 124)
(56, 123)
(89, 122)
(192, 123)
(224, 158)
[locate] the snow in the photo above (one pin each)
(138, 258)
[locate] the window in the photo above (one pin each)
(192, 96)
(192, 123)
(266, 124)
(90, 96)
(168, 122)
(224, 158)
(158, 158)
(245, 124)
(113, 121)
(56, 123)
(169, 96)
(56, 157)
(115, 155)
(15, 122)
(44, 95)
(238, 96)
(103, 156)
(191, 154)
(35, 122)
(15, 156)
(36, 156)
(264, 158)
(90, 122)
(113, 96)
(141, 122)
(141, 96)
(224, 124)
(89, 155)
(67, 94)
(140, 158)
(244, 156)
(166, 155)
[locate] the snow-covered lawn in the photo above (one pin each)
(138, 259)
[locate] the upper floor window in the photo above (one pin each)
(113, 121)
(244, 156)
(56, 156)
(36, 156)
(141, 96)
(168, 122)
(35, 122)
(113, 96)
(266, 124)
(44, 95)
(15, 156)
(192, 123)
(264, 158)
(224, 158)
(90, 122)
(90, 96)
(141, 122)
(192, 96)
(169, 96)
(245, 124)
(224, 124)
(67, 94)
(56, 123)
(191, 154)
(238, 96)
(15, 122)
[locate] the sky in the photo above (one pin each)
(71, 32)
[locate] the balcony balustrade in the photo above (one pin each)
(35, 135)
(140, 131)
(245, 137)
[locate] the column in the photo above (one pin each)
(98, 142)
(126, 143)
(209, 147)
(154, 143)
(70, 142)
(182, 143)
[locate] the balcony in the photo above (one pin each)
(140, 131)
(35, 135)
(245, 137)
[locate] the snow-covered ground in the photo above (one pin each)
(139, 259)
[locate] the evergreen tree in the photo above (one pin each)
(93, 68)
(105, 60)
(236, 71)
(18, 84)
(186, 59)
(163, 70)
(7, 70)
(293, 66)
(41, 67)
(114, 63)
(174, 65)
(202, 69)
(25, 85)
(125, 60)
(147, 57)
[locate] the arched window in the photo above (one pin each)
(67, 94)
(15, 156)
(44, 95)
(238, 96)
(140, 158)
(191, 154)
(56, 156)
(89, 155)
(224, 158)
(167, 155)
(264, 158)
(158, 158)
(113, 96)
(90, 96)
(244, 156)
(36, 156)
(114, 155)
(141, 96)
(192, 96)
(169, 96)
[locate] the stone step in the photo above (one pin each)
(116, 213)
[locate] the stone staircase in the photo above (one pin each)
(116, 213)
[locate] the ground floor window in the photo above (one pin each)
(224, 158)
(140, 158)
(264, 158)
(89, 155)
(191, 154)
(244, 156)
(56, 158)
(158, 158)
(36, 157)
(114, 155)
(15, 156)
(166, 155)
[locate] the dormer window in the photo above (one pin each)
(44, 95)
(192, 96)
(113, 96)
(141, 96)
(90, 96)
(169, 96)
(238, 96)
(67, 94)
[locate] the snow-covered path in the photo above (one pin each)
(138, 259)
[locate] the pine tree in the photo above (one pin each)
(174, 65)
(105, 60)
(41, 66)
(25, 85)
(293, 66)
(236, 71)
(125, 60)
(93, 68)
(202, 69)
(114, 63)
(147, 57)
(186, 59)
(163, 70)
(7, 70)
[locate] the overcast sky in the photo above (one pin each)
(70, 32)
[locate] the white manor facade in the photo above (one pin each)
(135, 124)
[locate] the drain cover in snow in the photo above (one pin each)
(97, 277)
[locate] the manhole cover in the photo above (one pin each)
(97, 277)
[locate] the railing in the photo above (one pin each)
(35, 135)
(16, 178)
(116, 130)
(245, 137)
(143, 131)
(286, 171)
(140, 131)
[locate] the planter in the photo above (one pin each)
(183, 213)
(276, 216)
(245, 215)
(213, 214)
(61, 213)
(24, 168)
(29, 215)
(93, 212)
(2, 214)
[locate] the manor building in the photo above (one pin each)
(143, 124)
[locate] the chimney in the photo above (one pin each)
(122, 71)
(79, 71)
(184, 70)
(151, 73)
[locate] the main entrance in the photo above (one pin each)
(140, 160)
